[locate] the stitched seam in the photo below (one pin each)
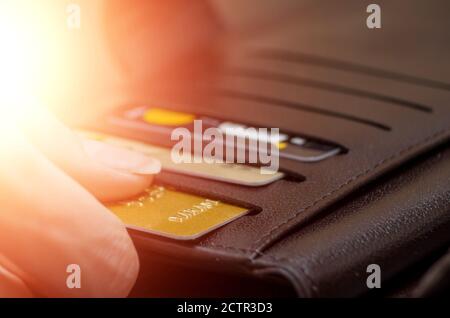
(257, 251)
(245, 252)
(266, 237)
(238, 249)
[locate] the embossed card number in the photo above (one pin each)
(174, 214)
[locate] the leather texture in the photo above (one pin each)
(383, 95)
(395, 222)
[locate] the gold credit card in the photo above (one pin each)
(224, 172)
(173, 214)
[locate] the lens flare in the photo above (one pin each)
(16, 62)
(31, 54)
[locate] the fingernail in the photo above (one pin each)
(120, 158)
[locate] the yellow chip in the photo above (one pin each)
(282, 145)
(175, 214)
(157, 116)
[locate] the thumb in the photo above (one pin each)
(48, 221)
(107, 171)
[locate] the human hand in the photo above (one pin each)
(51, 185)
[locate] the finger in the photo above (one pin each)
(48, 221)
(141, 29)
(109, 172)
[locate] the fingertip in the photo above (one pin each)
(116, 173)
(120, 158)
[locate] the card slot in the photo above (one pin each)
(433, 98)
(284, 205)
(307, 82)
(312, 59)
(289, 205)
(180, 212)
(279, 102)
(297, 121)
(294, 121)
(170, 179)
(371, 153)
(260, 201)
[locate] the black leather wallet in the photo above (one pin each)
(384, 96)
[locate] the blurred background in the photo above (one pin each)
(140, 48)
